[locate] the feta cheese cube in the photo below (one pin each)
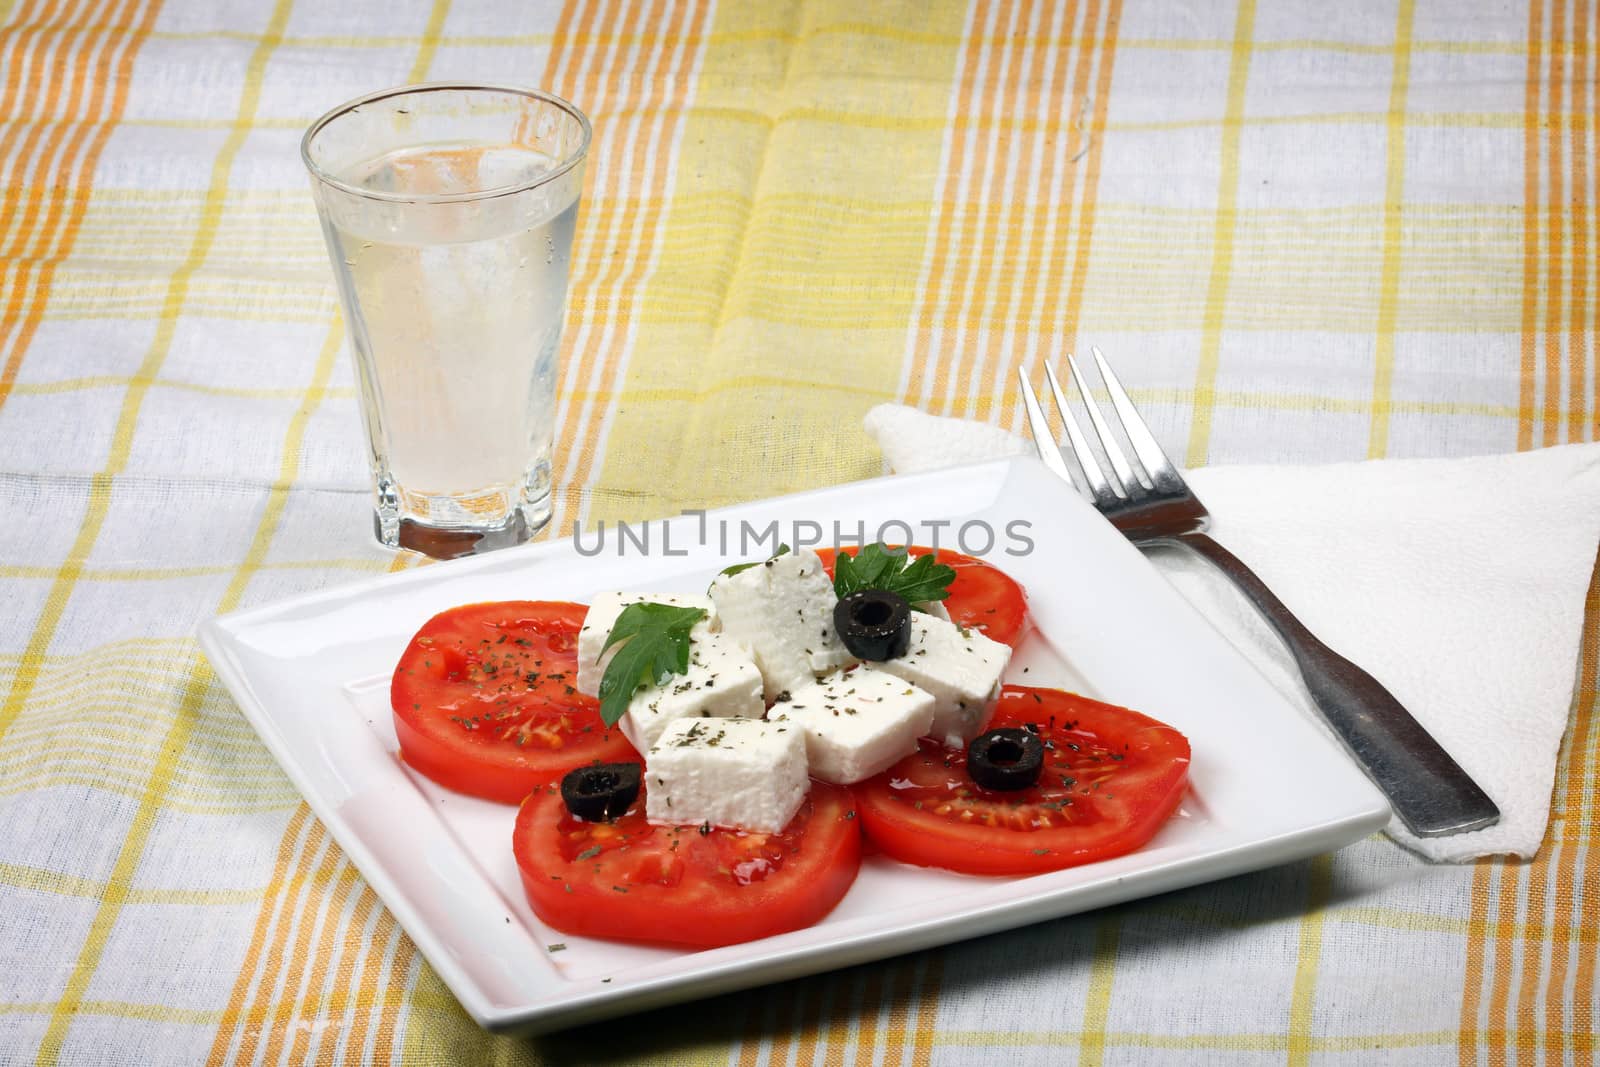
(857, 722)
(782, 611)
(722, 681)
(742, 773)
(602, 616)
(960, 667)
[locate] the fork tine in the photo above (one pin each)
(1099, 487)
(1043, 440)
(1162, 473)
(1126, 480)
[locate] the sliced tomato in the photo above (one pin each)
(484, 700)
(684, 885)
(983, 596)
(1111, 778)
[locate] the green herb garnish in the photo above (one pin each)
(891, 569)
(738, 568)
(655, 644)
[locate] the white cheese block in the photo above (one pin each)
(857, 722)
(782, 611)
(722, 681)
(960, 667)
(603, 612)
(742, 773)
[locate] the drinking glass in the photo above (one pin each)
(449, 213)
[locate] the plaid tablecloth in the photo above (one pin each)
(1306, 230)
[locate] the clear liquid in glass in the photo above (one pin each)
(456, 315)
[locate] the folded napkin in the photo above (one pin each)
(1458, 583)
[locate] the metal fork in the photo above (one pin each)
(1428, 790)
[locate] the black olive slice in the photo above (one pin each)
(1006, 758)
(874, 624)
(600, 792)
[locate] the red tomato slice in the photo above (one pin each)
(983, 596)
(484, 701)
(682, 885)
(1111, 778)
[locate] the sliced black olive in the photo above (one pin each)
(874, 624)
(600, 792)
(1006, 758)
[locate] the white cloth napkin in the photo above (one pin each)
(1457, 583)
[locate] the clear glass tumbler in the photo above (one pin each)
(449, 213)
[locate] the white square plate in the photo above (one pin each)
(311, 674)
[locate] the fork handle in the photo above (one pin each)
(1428, 790)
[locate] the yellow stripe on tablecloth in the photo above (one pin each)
(1531, 200)
(1066, 170)
(1191, 1042)
(1538, 963)
(617, 238)
(1033, 299)
(750, 1045)
(329, 986)
(340, 921)
(178, 735)
(1394, 188)
(301, 830)
(1579, 324)
(1145, 263)
(325, 898)
(29, 286)
(645, 147)
(270, 794)
(1176, 311)
(124, 224)
(1555, 225)
(955, 205)
(44, 880)
(1506, 962)
(871, 1005)
(899, 35)
(712, 320)
(926, 1031)
(1385, 918)
(1102, 977)
(388, 959)
(428, 46)
(1226, 225)
(902, 992)
(1090, 211)
(1302, 995)
(985, 177)
(404, 963)
(162, 573)
(348, 1001)
(107, 381)
(125, 742)
(1576, 918)
(1487, 120)
(40, 221)
(120, 1009)
(121, 446)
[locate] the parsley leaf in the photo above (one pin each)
(783, 550)
(877, 566)
(655, 643)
